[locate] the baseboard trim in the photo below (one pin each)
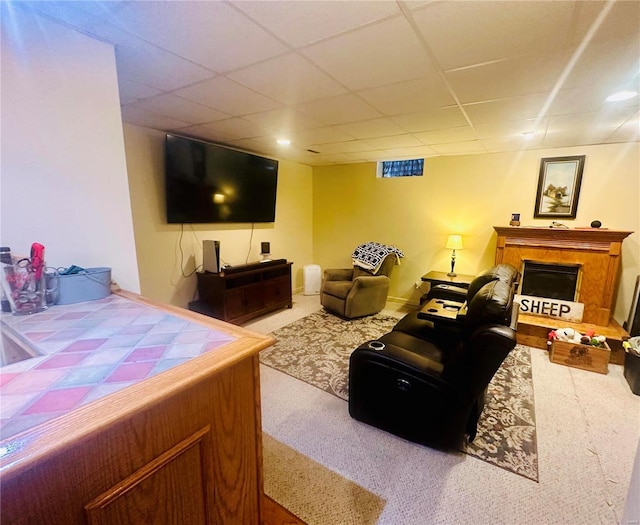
(403, 301)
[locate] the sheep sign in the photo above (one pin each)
(555, 308)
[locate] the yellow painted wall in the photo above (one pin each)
(168, 255)
(468, 195)
(324, 212)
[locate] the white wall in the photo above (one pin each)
(63, 173)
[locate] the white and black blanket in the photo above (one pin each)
(371, 254)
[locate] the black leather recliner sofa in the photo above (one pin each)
(426, 380)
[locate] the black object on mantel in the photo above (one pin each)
(596, 224)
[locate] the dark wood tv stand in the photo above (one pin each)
(240, 293)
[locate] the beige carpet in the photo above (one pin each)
(587, 425)
(314, 493)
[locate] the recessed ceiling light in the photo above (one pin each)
(283, 142)
(621, 95)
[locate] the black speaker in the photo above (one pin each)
(265, 248)
(211, 256)
(632, 324)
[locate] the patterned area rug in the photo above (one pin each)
(316, 350)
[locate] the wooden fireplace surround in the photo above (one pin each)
(597, 251)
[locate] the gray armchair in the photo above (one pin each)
(356, 292)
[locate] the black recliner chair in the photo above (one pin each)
(426, 380)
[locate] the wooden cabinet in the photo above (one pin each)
(243, 292)
(183, 446)
(597, 253)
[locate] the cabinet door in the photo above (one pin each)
(190, 456)
(277, 291)
(234, 304)
(254, 297)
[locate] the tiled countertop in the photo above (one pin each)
(90, 350)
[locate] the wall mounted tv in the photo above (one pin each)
(208, 183)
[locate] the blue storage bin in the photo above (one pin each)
(88, 285)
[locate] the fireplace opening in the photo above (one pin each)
(551, 280)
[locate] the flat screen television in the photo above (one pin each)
(208, 183)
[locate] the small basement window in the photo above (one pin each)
(400, 168)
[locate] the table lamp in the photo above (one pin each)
(454, 242)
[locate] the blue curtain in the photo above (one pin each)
(402, 168)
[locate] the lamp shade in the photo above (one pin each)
(454, 242)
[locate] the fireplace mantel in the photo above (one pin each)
(596, 250)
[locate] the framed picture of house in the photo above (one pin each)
(559, 187)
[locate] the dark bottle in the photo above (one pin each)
(5, 258)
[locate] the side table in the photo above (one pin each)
(462, 280)
(434, 278)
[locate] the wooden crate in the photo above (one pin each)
(585, 357)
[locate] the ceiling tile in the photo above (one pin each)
(459, 148)
(230, 129)
(580, 100)
(261, 145)
(339, 75)
(604, 122)
(289, 79)
(444, 136)
(150, 65)
(409, 97)
(396, 141)
(387, 52)
(228, 96)
(466, 33)
(525, 75)
(103, 10)
(614, 61)
(590, 128)
(623, 18)
(301, 23)
(510, 129)
(283, 120)
(439, 118)
(627, 132)
(339, 110)
(515, 108)
(352, 146)
(262, 142)
(304, 157)
(133, 91)
(211, 34)
(320, 136)
(140, 117)
(512, 144)
(176, 107)
(379, 127)
(403, 153)
(339, 158)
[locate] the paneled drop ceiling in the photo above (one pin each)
(354, 81)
